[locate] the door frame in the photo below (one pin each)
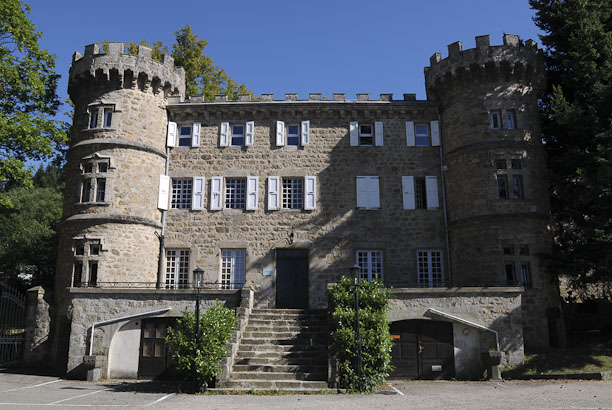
(307, 261)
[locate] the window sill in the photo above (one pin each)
(95, 130)
(368, 209)
(85, 204)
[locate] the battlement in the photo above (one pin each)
(293, 97)
(97, 64)
(513, 57)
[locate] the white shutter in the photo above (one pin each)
(310, 193)
(410, 140)
(249, 134)
(435, 133)
(362, 192)
(171, 139)
(197, 193)
(373, 193)
(378, 133)
(224, 134)
(164, 192)
(431, 186)
(216, 187)
(195, 134)
(273, 193)
(305, 133)
(354, 131)
(408, 192)
(280, 134)
(252, 195)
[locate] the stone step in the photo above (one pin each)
(267, 347)
(285, 368)
(303, 342)
(275, 376)
(274, 327)
(302, 311)
(284, 335)
(255, 354)
(291, 390)
(272, 384)
(287, 316)
(285, 361)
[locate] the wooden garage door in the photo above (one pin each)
(422, 349)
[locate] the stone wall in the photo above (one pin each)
(95, 305)
(495, 308)
(336, 228)
(37, 345)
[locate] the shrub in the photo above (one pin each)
(216, 326)
(374, 329)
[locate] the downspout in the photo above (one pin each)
(160, 263)
(466, 322)
(120, 319)
(442, 170)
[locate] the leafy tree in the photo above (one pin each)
(577, 127)
(374, 330)
(204, 355)
(202, 77)
(28, 99)
(28, 230)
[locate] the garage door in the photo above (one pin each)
(422, 349)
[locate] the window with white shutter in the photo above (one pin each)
(224, 134)
(431, 183)
(273, 193)
(410, 139)
(435, 133)
(310, 192)
(354, 133)
(305, 133)
(368, 195)
(408, 192)
(195, 134)
(252, 195)
(197, 196)
(171, 139)
(216, 186)
(164, 192)
(378, 133)
(249, 134)
(280, 134)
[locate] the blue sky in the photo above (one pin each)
(376, 46)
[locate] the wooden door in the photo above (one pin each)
(292, 278)
(154, 359)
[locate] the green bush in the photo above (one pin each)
(375, 340)
(216, 327)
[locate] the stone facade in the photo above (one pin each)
(409, 190)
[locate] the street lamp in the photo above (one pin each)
(198, 282)
(356, 273)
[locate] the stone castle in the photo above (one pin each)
(445, 200)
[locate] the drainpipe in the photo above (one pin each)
(442, 170)
(120, 319)
(160, 263)
(466, 322)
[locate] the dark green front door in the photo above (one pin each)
(292, 278)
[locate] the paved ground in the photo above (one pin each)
(19, 391)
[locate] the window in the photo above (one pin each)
(429, 269)
(510, 120)
(496, 120)
(93, 118)
(421, 135)
(94, 180)
(420, 192)
(184, 136)
(181, 193)
(232, 268)
(517, 264)
(292, 193)
(237, 135)
(509, 181)
(366, 135)
(368, 192)
(371, 264)
(293, 135)
(108, 117)
(87, 258)
(177, 268)
(235, 190)
(420, 195)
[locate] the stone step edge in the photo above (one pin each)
(272, 392)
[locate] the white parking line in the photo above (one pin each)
(160, 399)
(80, 395)
(394, 389)
(65, 405)
(31, 387)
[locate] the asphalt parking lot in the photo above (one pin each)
(18, 391)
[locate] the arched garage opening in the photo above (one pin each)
(422, 349)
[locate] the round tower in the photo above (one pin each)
(117, 153)
(495, 173)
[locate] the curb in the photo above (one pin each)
(564, 376)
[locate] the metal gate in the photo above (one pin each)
(12, 324)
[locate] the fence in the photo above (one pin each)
(12, 324)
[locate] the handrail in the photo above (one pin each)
(466, 322)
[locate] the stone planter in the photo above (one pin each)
(491, 361)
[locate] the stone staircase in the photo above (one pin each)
(281, 349)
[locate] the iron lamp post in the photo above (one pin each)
(356, 273)
(198, 282)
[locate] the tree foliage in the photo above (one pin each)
(28, 230)
(205, 354)
(28, 99)
(577, 127)
(374, 330)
